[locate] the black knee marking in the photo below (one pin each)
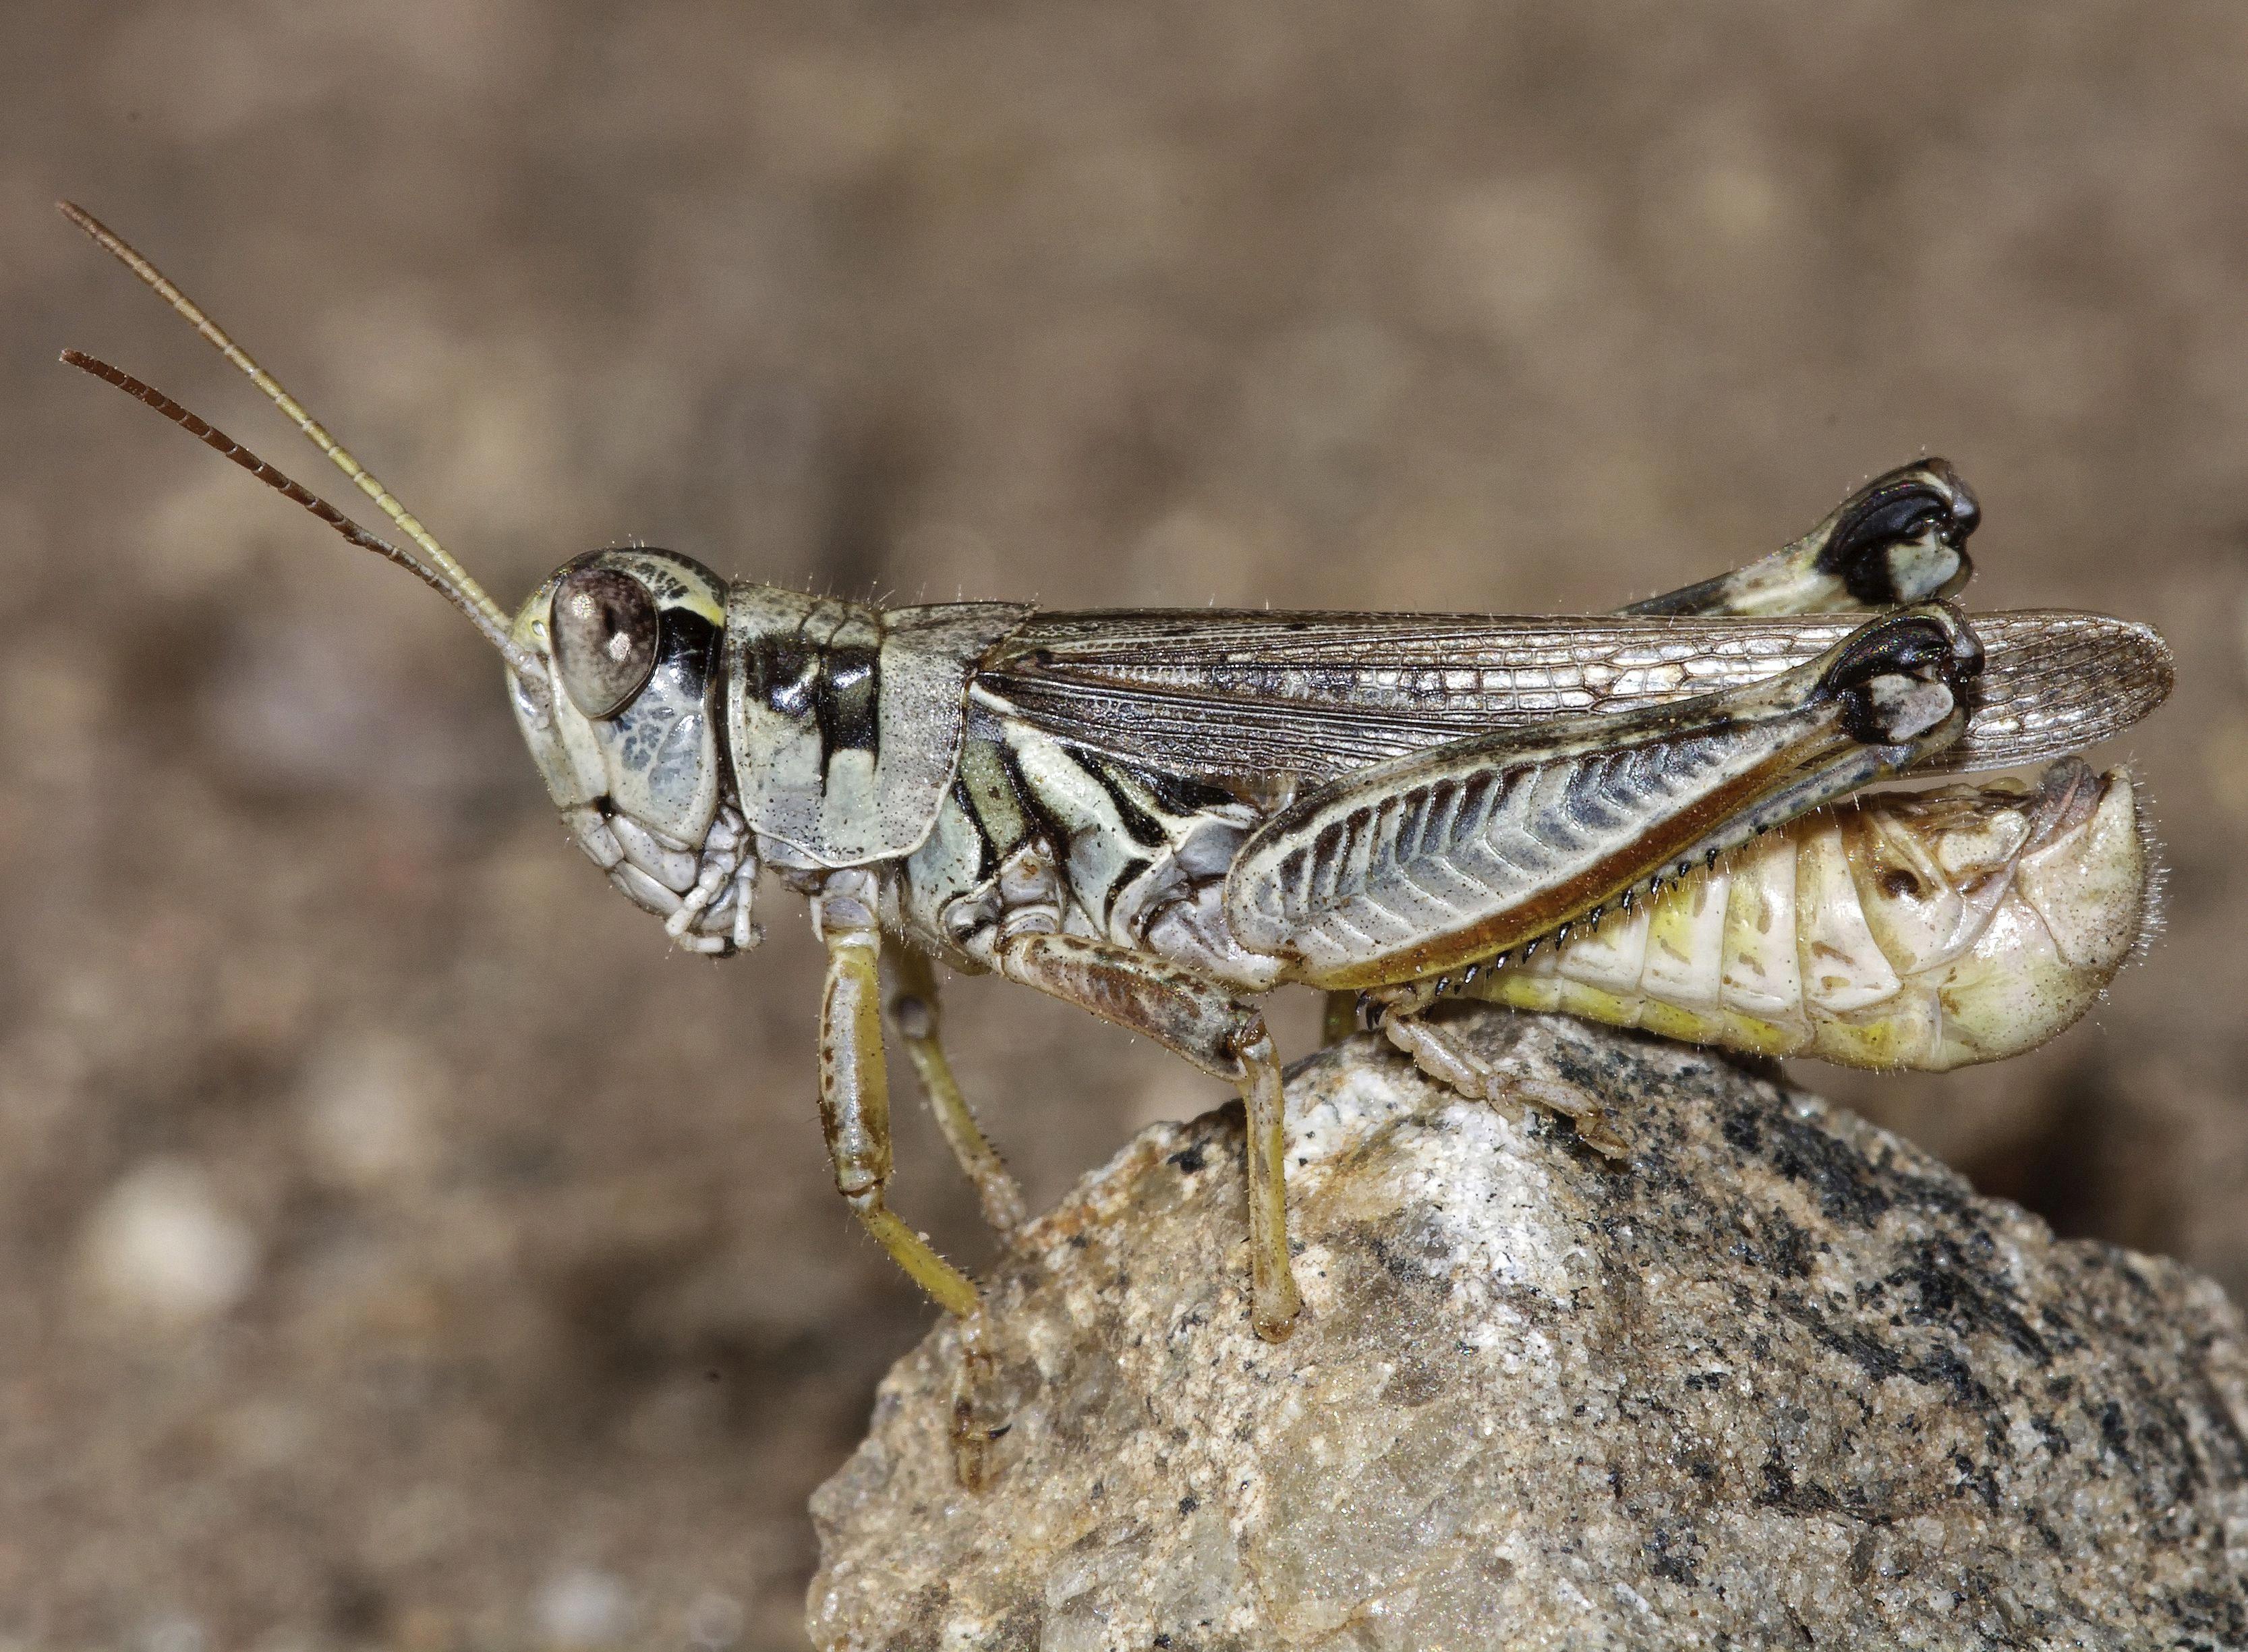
(1903, 538)
(1902, 675)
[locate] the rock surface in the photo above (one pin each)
(1777, 1379)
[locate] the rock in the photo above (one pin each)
(1777, 1378)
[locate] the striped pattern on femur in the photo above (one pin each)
(1488, 853)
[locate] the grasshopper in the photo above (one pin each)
(1160, 815)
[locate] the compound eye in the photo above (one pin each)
(605, 633)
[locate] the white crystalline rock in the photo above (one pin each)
(1775, 1380)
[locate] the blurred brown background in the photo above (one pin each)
(400, 1246)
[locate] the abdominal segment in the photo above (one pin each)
(1930, 929)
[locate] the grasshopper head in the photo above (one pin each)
(615, 683)
(612, 666)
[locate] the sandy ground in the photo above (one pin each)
(398, 1246)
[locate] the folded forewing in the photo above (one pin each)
(1254, 695)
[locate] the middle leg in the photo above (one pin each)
(913, 1016)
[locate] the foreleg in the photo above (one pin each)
(854, 1091)
(1225, 1038)
(854, 1112)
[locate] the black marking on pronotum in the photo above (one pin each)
(783, 674)
(846, 699)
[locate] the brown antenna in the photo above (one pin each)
(217, 440)
(435, 566)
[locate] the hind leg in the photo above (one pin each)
(1900, 539)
